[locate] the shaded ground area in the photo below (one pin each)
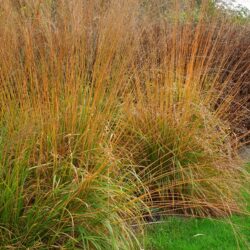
(245, 153)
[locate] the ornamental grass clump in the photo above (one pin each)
(62, 69)
(176, 123)
(112, 112)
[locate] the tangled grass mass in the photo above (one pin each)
(116, 113)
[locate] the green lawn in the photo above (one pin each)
(193, 234)
(176, 233)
